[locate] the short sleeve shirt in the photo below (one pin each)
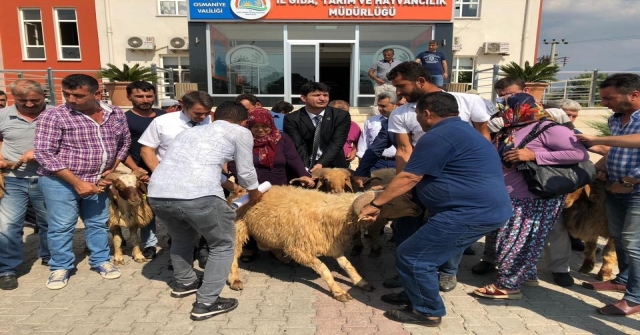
(382, 68)
(432, 62)
(462, 174)
(137, 126)
(164, 129)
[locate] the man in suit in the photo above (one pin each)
(318, 131)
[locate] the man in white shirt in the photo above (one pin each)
(185, 191)
(412, 81)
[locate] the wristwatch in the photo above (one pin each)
(626, 183)
(374, 205)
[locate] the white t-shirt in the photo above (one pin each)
(163, 129)
(192, 165)
(403, 119)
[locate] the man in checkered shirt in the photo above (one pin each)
(621, 93)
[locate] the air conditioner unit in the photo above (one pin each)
(179, 43)
(141, 43)
(496, 48)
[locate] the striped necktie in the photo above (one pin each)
(316, 140)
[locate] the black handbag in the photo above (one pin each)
(549, 181)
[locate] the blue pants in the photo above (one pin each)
(623, 214)
(406, 227)
(419, 257)
(13, 209)
(148, 234)
(437, 80)
(64, 205)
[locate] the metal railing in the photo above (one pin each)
(581, 86)
(488, 77)
(51, 79)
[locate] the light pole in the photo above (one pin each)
(553, 42)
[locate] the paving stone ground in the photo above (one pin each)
(282, 299)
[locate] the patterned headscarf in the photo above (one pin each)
(264, 147)
(521, 109)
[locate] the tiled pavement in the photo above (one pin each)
(281, 299)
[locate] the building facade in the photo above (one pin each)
(37, 35)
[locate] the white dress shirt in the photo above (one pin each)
(370, 130)
(163, 129)
(192, 165)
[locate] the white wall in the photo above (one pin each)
(119, 19)
(500, 21)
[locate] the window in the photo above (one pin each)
(180, 67)
(32, 36)
(67, 35)
(172, 7)
(462, 70)
(467, 8)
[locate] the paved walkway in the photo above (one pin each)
(280, 299)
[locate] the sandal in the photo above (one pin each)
(492, 292)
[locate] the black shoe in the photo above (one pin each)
(469, 251)
(562, 279)
(202, 256)
(149, 253)
(392, 282)
(44, 262)
(483, 267)
(202, 311)
(406, 315)
(447, 283)
(8, 282)
(399, 298)
(181, 290)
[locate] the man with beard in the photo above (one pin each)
(412, 81)
(142, 96)
(17, 130)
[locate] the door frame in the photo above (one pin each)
(354, 67)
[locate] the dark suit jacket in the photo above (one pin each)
(383, 140)
(333, 135)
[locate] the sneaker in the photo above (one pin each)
(44, 262)
(447, 283)
(108, 271)
(392, 282)
(58, 279)
(399, 298)
(8, 282)
(201, 311)
(182, 290)
(562, 279)
(149, 253)
(483, 267)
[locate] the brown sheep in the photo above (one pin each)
(330, 180)
(306, 224)
(130, 209)
(584, 217)
(10, 166)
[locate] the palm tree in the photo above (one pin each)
(539, 72)
(134, 73)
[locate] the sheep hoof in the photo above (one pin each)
(365, 286)
(344, 297)
(357, 250)
(140, 259)
(586, 267)
(604, 275)
(118, 261)
(375, 253)
(236, 285)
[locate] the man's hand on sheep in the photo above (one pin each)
(143, 174)
(368, 213)
(307, 182)
(85, 189)
(519, 155)
(254, 196)
(359, 181)
(315, 167)
(28, 156)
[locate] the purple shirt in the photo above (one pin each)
(556, 145)
(352, 139)
(68, 139)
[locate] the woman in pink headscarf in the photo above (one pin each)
(274, 154)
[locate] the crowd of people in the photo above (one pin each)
(456, 156)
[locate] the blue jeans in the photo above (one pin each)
(418, 258)
(437, 80)
(64, 205)
(623, 214)
(406, 227)
(210, 217)
(148, 234)
(13, 209)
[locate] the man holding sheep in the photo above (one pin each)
(186, 194)
(451, 168)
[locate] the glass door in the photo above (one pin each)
(304, 67)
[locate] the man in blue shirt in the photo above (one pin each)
(434, 62)
(452, 167)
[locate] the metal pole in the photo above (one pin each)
(552, 58)
(494, 78)
(171, 87)
(594, 88)
(154, 71)
(52, 88)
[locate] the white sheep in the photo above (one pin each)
(130, 209)
(306, 224)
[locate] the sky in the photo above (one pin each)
(602, 35)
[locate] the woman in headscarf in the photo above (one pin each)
(274, 153)
(519, 243)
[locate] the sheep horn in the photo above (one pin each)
(139, 173)
(368, 181)
(112, 176)
(295, 181)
